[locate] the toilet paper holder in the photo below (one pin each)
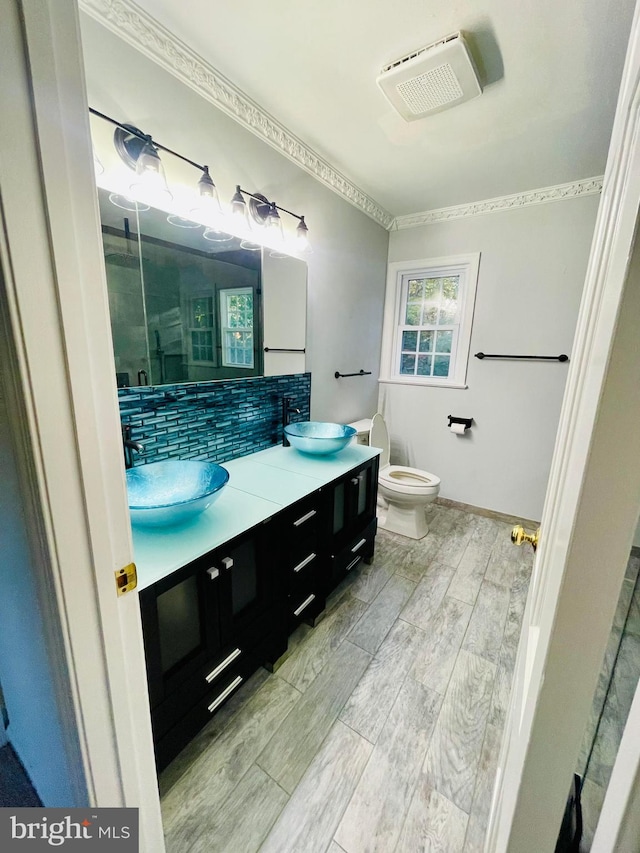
(466, 421)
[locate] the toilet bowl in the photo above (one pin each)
(404, 492)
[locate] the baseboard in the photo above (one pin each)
(488, 513)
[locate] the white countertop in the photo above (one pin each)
(259, 486)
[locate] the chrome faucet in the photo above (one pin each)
(287, 409)
(129, 445)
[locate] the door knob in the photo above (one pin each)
(520, 535)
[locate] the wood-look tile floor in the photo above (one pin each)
(381, 730)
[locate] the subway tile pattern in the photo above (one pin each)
(212, 421)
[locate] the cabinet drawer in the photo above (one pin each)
(176, 737)
(303, 520)
(359, 548)
(305, 604)
(207, 677)
(177, 704)
(304, 567)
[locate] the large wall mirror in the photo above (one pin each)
(189, 305)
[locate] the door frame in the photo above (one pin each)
(65, 422)
(589, 518)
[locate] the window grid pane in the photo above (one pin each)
(430, 315)
(236, 310)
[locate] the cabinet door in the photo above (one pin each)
(363, 490)
(180, 624)
(353, 502)
(249, 582)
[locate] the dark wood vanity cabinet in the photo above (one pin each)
(352, 520)
(301, 529)
(206, 628)
(212, 623)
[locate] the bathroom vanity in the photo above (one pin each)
(220, 594)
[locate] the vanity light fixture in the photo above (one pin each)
(274, 223)
(208, 205)
(140, 152)
(151, 183)
(267, 213)
(238, 207)
(302, 236)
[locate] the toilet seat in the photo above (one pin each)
(379, 437)
(399, 478)
(405, 480)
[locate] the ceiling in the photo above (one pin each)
(550, 70)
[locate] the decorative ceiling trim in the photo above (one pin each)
(588, 186)
(134, 26)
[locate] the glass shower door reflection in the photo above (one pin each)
(614, 694)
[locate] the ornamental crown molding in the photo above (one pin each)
(134, 26)
(588, 186)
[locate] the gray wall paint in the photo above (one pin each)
(25, 669)
(348, 267)
(532, 268)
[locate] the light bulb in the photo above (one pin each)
(239, 209)
(150, 183)
(302, 236)
(207, 208)
(275, 234)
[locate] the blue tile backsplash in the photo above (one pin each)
(214, 421)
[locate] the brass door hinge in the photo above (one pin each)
(126, 579)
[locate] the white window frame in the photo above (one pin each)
(465, 266)
(224, 328)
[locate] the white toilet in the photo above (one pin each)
(403, 492)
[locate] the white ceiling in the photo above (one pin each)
(551, 70)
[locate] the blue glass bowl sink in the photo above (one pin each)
(173, 491)
(319, 438)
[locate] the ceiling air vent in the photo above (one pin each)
(431, 79)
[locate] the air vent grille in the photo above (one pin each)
(431, 79)
(430, 90)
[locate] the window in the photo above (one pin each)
(201, 328)
(236, 324)
(427, 325)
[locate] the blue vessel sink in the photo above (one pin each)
(173, 491)
(319, 438)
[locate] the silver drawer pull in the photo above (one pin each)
(227, 563)
(305, 517)
(352, 564)
(222, 666)
(358, 546)
(304, 563)
(236, 681)
(304, 604)
(213, 573)
(354, 481)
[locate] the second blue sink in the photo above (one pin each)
(319, 437)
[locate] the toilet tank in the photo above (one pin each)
(362, 428)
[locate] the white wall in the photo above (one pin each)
(25, 668)
(532, 268)
(348, 267)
